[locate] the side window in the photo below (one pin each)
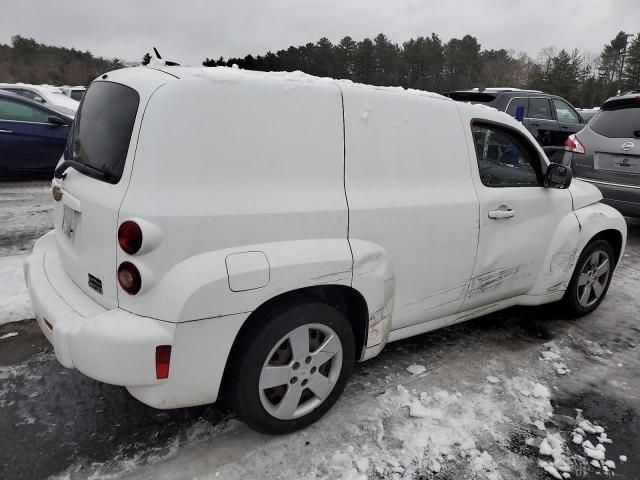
(539, 108)
(564, 112)
(512, 109)
(18, 112)
(505, 159)
(27, 94)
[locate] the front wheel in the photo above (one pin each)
(591, 279)
(292, 367)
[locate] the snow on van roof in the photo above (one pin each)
(231, 74)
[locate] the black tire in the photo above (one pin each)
(257, 345)
(571, 300)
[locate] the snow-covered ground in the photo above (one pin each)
(520, 394)
(14, 297)
(25, 215)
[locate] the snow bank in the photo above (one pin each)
(14, 297)
(440, 426)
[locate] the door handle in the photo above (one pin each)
(565, 128)
(535, 124)
(502, 212)
(5, 131)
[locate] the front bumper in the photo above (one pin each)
(112, 346)
(624, 198)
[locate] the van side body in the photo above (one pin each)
(250, 187)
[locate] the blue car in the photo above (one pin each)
(32, 137)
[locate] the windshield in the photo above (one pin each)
(102, 130)
(619, 123)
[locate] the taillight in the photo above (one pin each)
(572, 144)
(130, 237)
(129, 278)
(163, 358)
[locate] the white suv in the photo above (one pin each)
(254, 234)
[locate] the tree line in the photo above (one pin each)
(28, 61)
(426, 63)
(429, 63)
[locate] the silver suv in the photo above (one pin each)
(607, 152)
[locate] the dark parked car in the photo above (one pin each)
(32, 137)
(607, 153)
(549, 118)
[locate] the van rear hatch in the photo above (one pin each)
(93, 177)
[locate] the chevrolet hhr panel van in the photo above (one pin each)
(253, 234)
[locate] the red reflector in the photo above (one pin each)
(130, 237)
(163, 357)
(46, 322)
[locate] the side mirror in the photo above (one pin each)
(557, 176)
(57, 121)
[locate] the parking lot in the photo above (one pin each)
(491, 386)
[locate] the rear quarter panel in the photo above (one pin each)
(229, 163)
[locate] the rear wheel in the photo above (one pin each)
(291, 368)
(591, 279)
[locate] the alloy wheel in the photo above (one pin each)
(593, 279)
(300, 371)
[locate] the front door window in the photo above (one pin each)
(504, 160)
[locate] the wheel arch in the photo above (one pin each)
(346, 299)
(600, 221)
(614, 237)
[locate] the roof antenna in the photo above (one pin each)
(167, 63)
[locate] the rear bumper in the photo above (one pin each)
(118, 347)
(624, 198)
(113, 346)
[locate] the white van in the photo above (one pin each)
(251, 233)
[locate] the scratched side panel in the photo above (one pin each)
(561, 258)
(511, 251)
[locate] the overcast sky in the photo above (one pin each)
(187, 31)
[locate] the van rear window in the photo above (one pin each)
(102, 130)
(619, 123)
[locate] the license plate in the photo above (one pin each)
(617, 163)
(70, 221)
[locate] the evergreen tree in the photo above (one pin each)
(345, 54)
(385, 61)
(611, 58)
(462, 61)
(365, 62)
(632, 64)
(146, 59)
